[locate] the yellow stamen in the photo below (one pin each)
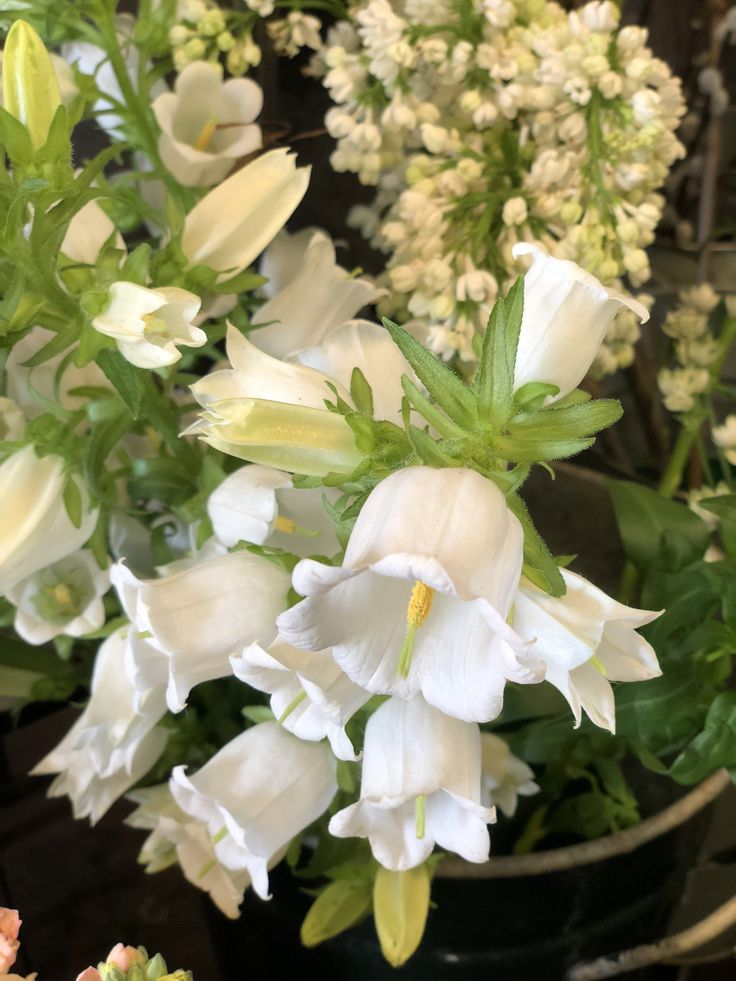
(287, 525)
(205, 135)
(420, 604)
(420, 812)
(62, 594)
(153, 324)
(599, 666)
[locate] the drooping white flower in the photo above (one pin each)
(178, 837)
(35, 528)
(148, 324)
(725, 437)
(318, 296)
(207, 124)
(62, 598)
(112, 744)
(232, 224)
(311, 696)
(188, 624)
(256, 794)
(259, 504)
(566, 313)
(585, 640)
(421, 600)
(23, 382)
(420, 786)
(504, 777)
(270, 412)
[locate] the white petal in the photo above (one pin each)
(566, 314)
(319, 298)
(244, 506)
(361, 344)
(256, 375)
(453, 517)
(232, 224)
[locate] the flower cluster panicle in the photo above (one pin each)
(205, 31)
(695, 348)
(482, 124)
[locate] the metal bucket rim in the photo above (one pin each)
(587, 852)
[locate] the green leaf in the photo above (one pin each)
(338, 907)
(712, 748)
(361, 393)
(73, 501)
(15, 139)
(643, 516)
(136, 266)
(444, 386)
(540, 565)
(125, 377)
(495, 377)
(533, 394)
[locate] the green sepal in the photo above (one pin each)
(494, 381)
(539, 563)
(125, 377)
(443, 385)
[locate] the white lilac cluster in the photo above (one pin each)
(427, 606)
(485, 122)
(695, 347)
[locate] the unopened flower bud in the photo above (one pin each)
(30, 87)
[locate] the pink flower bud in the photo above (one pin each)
(124, 957)
(9, 926)
(91, 974)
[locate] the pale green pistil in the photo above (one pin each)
(420, 816)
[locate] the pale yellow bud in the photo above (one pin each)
(30, 87)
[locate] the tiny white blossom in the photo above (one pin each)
(148, 324)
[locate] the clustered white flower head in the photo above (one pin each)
(426, 607)
(695, 348)
(523, 122)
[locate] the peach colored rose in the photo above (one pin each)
(9, 926)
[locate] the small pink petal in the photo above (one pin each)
(91, 974)
(124, 957)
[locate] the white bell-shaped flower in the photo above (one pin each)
(260, 505)
(317, 297)
(62, 598)
(566, 314)
(420, 786)
(186, 626)
(176, 837)
(266, 411)
(585, 640)
(35, 528)
(148, 324)
(311, 696)
(113, 743)
(233, 224)
(504, 777)
(256, 794)
(421, 599)
(207, 124)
